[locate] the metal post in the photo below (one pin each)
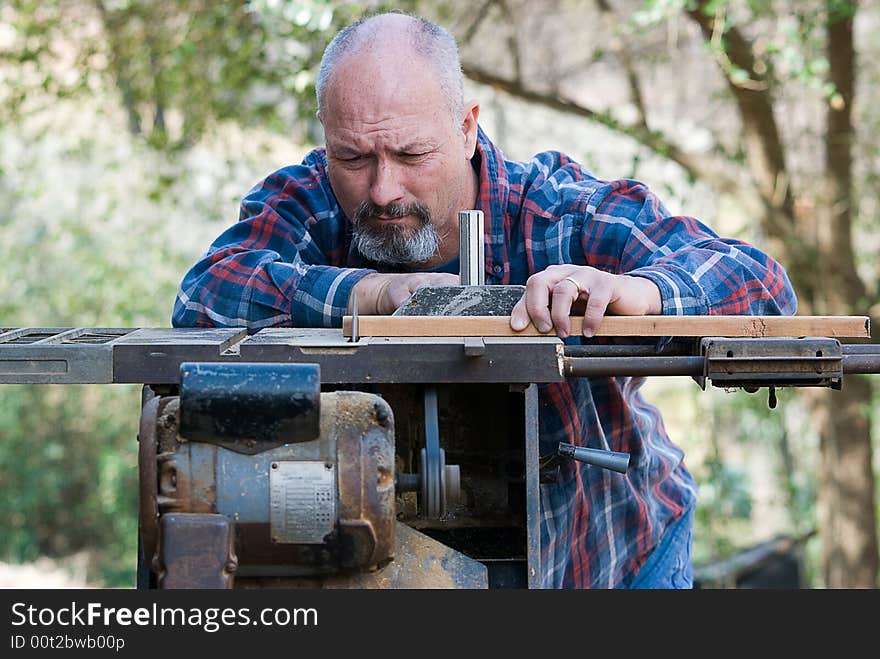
(472, 259)
(533, 489)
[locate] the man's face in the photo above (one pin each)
(398, 161)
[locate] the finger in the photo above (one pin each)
(565, 292)
(537, 300)
(445, 279)
(414, 282)
(397, 295)
(519, 317)
(597, 303)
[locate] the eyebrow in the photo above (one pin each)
(418, 146)
(415, 147)
(343, 149)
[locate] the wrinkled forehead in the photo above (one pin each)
(398, 134)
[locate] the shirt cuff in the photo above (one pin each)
(679, 293)
(320, 296)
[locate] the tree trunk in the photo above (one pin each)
(846, 520)
(845, 508)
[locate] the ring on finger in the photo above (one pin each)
(576, 285)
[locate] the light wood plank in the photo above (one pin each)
(752, 326)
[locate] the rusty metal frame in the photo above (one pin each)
(197, 550)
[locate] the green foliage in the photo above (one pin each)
(177, 67)
(724, 509)
(754, 465)
(68, 464)
(98, 229)
(652, 13)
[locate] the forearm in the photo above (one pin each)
(721, 277)
(255, 291)
(697, 271)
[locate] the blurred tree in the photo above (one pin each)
(178, 66)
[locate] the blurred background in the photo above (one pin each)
(130, 129)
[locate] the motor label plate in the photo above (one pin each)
(302, 501)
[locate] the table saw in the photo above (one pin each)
(300, 457)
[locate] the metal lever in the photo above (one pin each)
(618, 462)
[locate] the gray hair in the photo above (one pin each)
(428, 39)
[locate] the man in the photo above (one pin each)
(376, 213)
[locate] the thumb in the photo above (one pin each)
(519, 317)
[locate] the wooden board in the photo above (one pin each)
(752, 326)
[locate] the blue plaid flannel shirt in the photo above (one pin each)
(288, 262)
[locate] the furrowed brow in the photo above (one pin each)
(343, 150)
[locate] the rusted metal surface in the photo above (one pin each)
(154, 356)
(427, 360)
(148, 517)
(249, 408)
(197, 551)
(364, 428)
(419, 562)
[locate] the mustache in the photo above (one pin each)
(367, 209)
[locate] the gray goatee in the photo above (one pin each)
(392, 243)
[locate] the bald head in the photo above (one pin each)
(396, 38)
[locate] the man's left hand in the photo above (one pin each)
(560, 290)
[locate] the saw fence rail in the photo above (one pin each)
(598, 361)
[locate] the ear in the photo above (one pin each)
(469, 128)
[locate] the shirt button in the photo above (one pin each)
(497, 269)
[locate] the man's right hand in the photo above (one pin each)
(381, 294)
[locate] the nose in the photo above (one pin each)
(387, 183)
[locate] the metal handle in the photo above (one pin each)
(606, 459)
